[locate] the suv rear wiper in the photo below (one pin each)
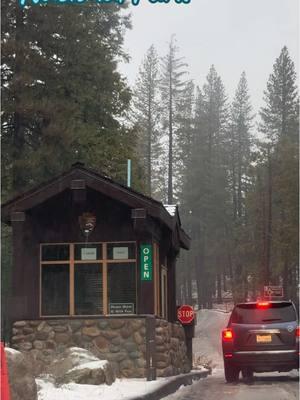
(272, 319)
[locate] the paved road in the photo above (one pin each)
(267, 386)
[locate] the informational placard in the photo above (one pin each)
(273, 291)
(121, 308)
(146, 262)
(89, 253)
(120, 253)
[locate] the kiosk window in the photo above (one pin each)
(88, 289)
(88, 278)
(122, 283)
(55, 289)
(56, 252)
(90, 251)
(121, 251)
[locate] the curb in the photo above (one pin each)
(172, 385)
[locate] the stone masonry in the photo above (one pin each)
(171, 353)
(121, 341)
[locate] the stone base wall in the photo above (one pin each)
(121, 341)
(118, 340)
(171, 351)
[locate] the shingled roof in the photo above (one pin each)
(100, 183)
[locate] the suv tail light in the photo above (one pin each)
(263, 304)
(297, 332)
(227, 335)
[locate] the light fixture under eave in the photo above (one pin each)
(87, 222)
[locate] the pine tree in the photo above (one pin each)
(239, 156)
(184, 134)
(63, 98)
(172, 87)
(147, 115)
(204, 195)
(240, 144)
(215, 200)
(183, 164)
(280, 114)
(280, 124)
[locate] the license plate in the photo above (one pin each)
(263, 338)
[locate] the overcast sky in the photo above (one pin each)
(234, 35)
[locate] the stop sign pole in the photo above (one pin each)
(186, 315)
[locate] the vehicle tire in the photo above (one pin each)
(247, 373)
(231, 372)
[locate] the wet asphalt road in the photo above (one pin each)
(263, 387)
(206, 346)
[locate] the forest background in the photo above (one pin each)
(233, 174)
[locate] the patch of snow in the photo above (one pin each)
(77, 350)
(171, 208)
(121, 389)
(11, 351)
(91, 365)
(199, 368)
(82, 354)
(207, 345)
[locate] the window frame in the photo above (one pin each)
(103, 262)
(164, 291)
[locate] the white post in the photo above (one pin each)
(128, 173)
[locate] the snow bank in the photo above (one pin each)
(91, 365)
(11, 351)
(121, 389)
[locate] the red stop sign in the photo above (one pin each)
(185, 314)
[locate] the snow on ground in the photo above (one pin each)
(11, 351)
(91, 365)
(81, 355)
(206, 347)
(121, 389)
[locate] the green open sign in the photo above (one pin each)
(146, 262)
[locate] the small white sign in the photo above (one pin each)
(120, 253)
(89, 254)
(121, 308)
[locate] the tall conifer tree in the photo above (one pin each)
(147, 114)
(63, 97)
(172, 87)
(280, 124)
(280, 113)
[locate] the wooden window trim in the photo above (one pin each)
(72, 283)
(72, 262)
(156, 279)
(164, 294)
(40, 282)
(104, 280)
(55, 262)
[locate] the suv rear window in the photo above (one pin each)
(251, 314)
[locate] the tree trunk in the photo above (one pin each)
(170, 175)
(264, 264)
(269, 221)
(224, 280)
(18, 141)
(149, 144)
(285, 280)
(219, 288)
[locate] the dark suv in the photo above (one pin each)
(261, 337)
